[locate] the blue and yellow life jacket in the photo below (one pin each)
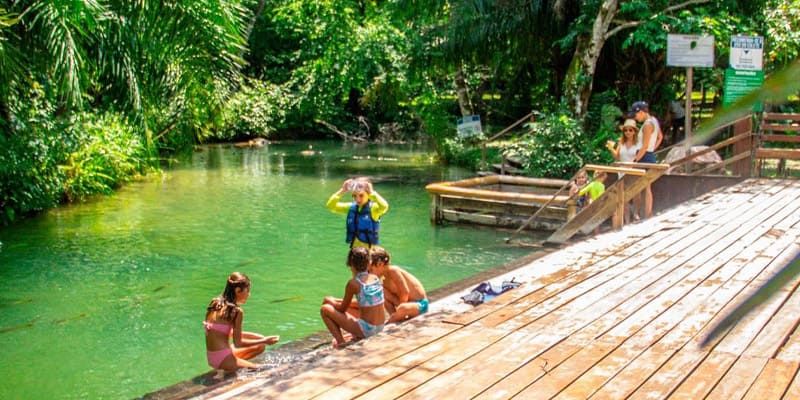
(361, 226)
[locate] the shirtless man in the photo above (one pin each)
(404, 294)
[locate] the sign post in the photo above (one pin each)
(690, 51)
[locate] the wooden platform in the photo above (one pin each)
(617, 316)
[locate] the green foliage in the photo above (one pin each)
(257, 109)
(109, 153)
(465, 153)
(554, 148)
(783, 31)
(51, 158)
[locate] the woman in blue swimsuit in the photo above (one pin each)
(368, 290)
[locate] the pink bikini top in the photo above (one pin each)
(224, 329)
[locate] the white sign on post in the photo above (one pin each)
(469, 125)
(690, 50)
(747, 52)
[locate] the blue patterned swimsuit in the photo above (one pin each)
(370, 295)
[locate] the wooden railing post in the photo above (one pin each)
(743, 167)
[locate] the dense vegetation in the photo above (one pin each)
(96, 92)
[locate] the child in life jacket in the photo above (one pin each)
(363, 213)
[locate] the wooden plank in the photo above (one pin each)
(778, 330)
(565, 373)
(781, 138)
(363, 382)
(738, 379)
(781, 116)
(703, 378)
(780, 127)
(437, 188)
(432, 367)
(773, 380)
(615, 169)
(525, 181)
(502, 221)
(639, 378)
(494, 362)
(342, 365)
(789, 154)
(499, 207)
(516, 381)
(793, 392)
(655, 330)
(641, 165)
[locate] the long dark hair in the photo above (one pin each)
(226, 302)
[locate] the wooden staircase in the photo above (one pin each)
(637, 178)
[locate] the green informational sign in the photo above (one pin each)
(739, 83)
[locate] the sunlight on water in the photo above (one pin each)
(106, 299)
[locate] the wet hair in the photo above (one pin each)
(226, 302)
(379, 255)
(361, 184)
(358, 258)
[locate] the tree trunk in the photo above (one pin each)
(461, 91)
(256, 14)
(580, 75)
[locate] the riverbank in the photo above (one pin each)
(301, 355)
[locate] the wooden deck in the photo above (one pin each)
(617, 316)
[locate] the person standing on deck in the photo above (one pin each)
(363, 213)
(648, 140)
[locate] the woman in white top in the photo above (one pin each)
(625, 151)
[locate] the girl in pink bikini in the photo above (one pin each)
(224, 320)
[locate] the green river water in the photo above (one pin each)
(105, 299)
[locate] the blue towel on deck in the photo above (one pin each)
(486, 291)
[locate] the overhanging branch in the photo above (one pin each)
(631, 24)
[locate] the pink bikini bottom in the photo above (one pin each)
(215, 358)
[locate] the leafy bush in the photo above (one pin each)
(554, 148)
(110, 153)
(467, 153)
(45, 159)
(257, 109)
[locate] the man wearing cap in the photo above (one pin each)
(650, 135)
(648, 139)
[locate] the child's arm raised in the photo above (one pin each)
(381, 205)
(333, 202)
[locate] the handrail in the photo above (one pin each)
(613, 169)
(544, 206)
(726, 142)
(508, 128)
